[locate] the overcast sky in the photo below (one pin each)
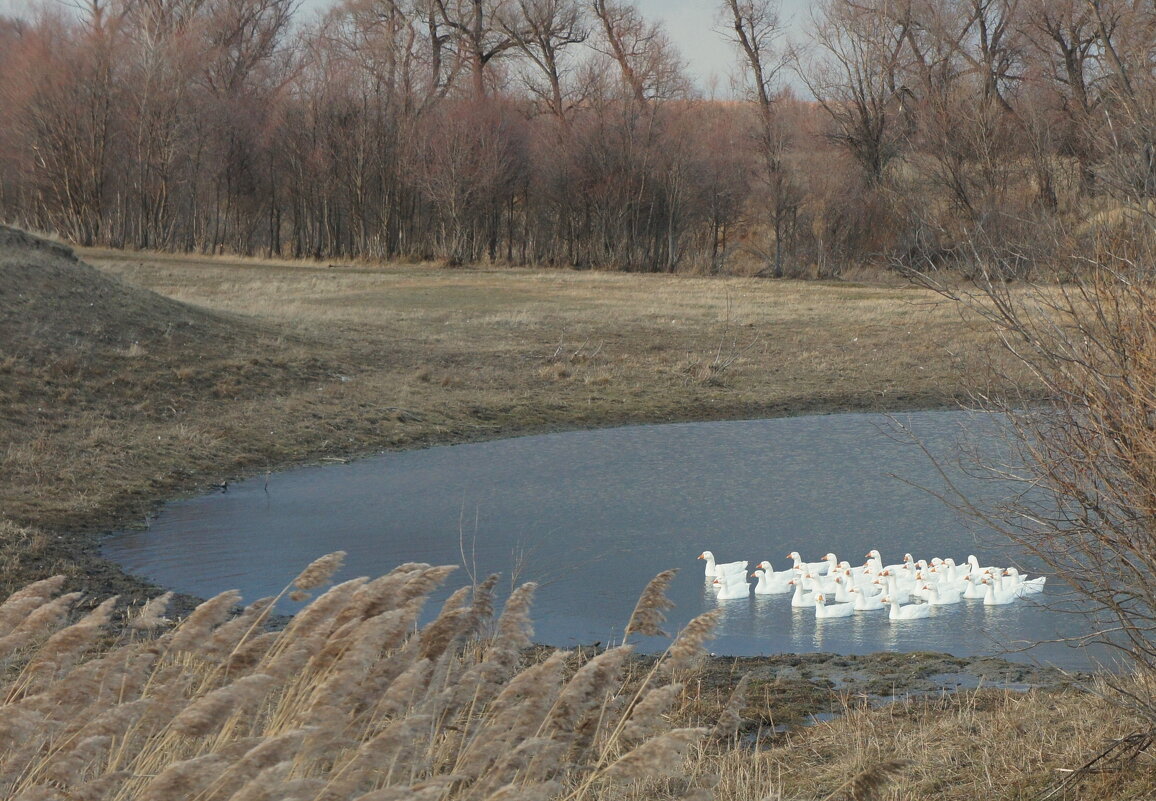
(691, 24)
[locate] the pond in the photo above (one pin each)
(593, 515)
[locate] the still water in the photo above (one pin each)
(593, 515)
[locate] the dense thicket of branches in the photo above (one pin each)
(566, 132)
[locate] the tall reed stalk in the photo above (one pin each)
(354, 699)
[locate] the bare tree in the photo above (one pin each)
(163, 59)
(648, 62)
(69, 118)
(470, 163)
(477, 28)
(1127, 35)
(544, 30)
(757, 31)
(856, 76)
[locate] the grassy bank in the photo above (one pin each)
(115, 399)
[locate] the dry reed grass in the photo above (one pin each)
(355, 700)
(352, 700)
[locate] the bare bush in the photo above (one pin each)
(1082, 431)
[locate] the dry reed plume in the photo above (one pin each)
(352, 700)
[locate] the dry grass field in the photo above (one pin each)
(115, 398)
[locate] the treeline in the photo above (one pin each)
(567, 132)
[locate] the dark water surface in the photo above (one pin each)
(593, 515)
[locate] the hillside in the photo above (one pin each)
(105, 397)
(54, 306)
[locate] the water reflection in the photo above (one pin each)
(593, 515)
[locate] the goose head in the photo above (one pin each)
(706, 555)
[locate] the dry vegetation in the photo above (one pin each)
(110, 406)
(353, 701)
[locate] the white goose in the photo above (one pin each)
(919, 588)
(863, 576)
(975, 566)
(776, 575)
(730, 588)
(996, 596)
(908, 612)
(950, 574)
(843, 583)
(813, 582)
(825, 610)
(864, 602)
(1014, 579)
(973, 587)
(771, 585)
(940, 596)
(820, 568)
(906, 564)
(897, 587)
(832, 563)
(715, 569)
(800, 598)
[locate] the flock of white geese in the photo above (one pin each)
(907, 590)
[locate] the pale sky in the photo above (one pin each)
(692, 24)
